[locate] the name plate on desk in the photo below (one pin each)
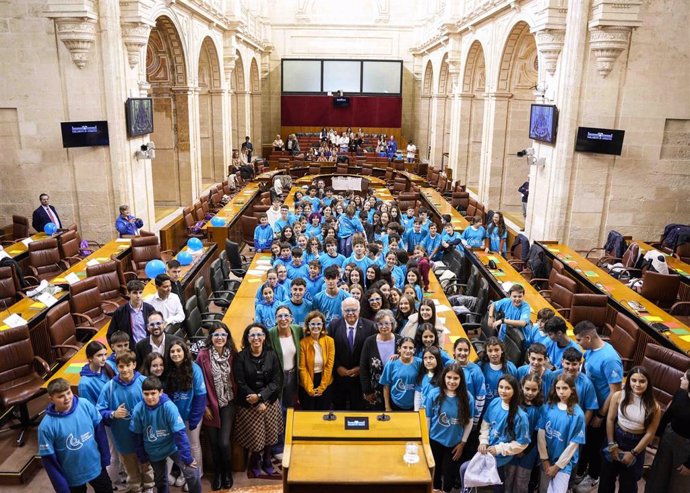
(356, 423)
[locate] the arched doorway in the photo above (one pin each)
(425, 112)
(518, 76)
(255, 95)
(474, 85)
(210, 115)
(443, 114)
(166, 73)
(238, 103)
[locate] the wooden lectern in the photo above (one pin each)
(355, 452)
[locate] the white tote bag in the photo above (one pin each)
(481, 471)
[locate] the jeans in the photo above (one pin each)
(160, 474)
(628, 476)
(100, 484)
(345, 246)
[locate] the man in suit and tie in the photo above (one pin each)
(349, 334)
(45, 214)
(157, 340)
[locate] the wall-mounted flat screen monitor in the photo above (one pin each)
(599, 140)
(85, 134)
(543, 123)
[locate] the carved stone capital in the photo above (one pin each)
(549, 43)
(78, 35)
(136, 36)
(607, 43)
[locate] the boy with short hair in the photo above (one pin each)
(118, 399)
(558, 340)
(285, 254)
(358, 256)
(299, 306)
(263, 234)
(536, 332)
(119, 343)
(414, 236)
(536, 357)
(516, 311)
(329, 301)
(314, 280)
(331, 257)
(408, 218)
(571, 362)
(159, 433)
(450, 240)
(72, 442)
(283, 221)
(328, 199)
(297, 268)
(424, 217)
(432, 242)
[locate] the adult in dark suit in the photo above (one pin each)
(131, 318)
(157, 340)
(349, 334)
(45, 214)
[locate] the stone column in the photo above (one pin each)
(493, 147)
(219, 101)
(460, 135)
(183, 101)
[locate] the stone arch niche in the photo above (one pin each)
(239, 126)
(473, 88)
(210, 114)
(443, 113)
(166, 73)
(518, 76)
(425, 112)
(255, 99)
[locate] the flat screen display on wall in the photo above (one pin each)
(599, 140)
(85, 134)
(543, 123)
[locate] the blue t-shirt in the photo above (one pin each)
(525, 369)
(183, 398)
(529, 459)
(603, 367)
(555, 352)
(114, 393)
(497, 419)
(495, 239)
(401, 379)
(314, 287)
(91, 384)
(265, 313)
(534, 335)
(492, 377)
(263, 237)
(330, 306)
(446, 358)
(412, 238)
(362, 263)
(430, 244)
(562, 429)
(586, 395)
(70, 436)
(474, 237)
(299, 312)
(313, 231)
(512, 312)
(279, 293)
(444, 424)
(475, 380)
(424, 387)
(294, 271)
(326, 260)
(157, 426)
(398, 276)
(281, 223)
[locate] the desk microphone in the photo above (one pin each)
(383, 417)
(330, 416)
(7, 309)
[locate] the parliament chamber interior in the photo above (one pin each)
(300, 246)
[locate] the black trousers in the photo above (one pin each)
(100, 484)
(219, 439)
(321, 403)
(447, 469)
(348, 390)
(591, 458)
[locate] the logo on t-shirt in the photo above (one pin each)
(75, 443)
(447, 422)
(153, 435)
(551, 433)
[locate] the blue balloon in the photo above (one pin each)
(153, 268)
(50, 228)
(217, 221)
(194, 244)
(184, 257)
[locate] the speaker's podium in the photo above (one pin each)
(356, 452)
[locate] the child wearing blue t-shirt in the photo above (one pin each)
(571, 363)
(561, 432)
(432, 242)
(119, 343)
(474, 236)
(314, 280)
(494, 365)
(536, 357)
(116, 402)
(359, 257)
(330, 300)
(299, 306)
(450, 241)
(72, 442)
(504, 430)
(265, 310)
(159, 433)
(429, 375)
(399, 378)
(263, 235)
(474, 377)
(449, 417)
(515, 311)
(297, 268)
(558, 340)
(496, 235)
(536, 333)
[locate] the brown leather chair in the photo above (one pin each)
(460, 200)
(399, 185)
(665, 368)
(314, 169)
(20, 230)
(682, 252)
(62, 331)
(660, 289)
(592, 307)
(198, 211)
(190, 224)
(342, 168)
(10, 290)
(21, 374)
(68, 245)
(247, 225)
(681, 311)
(111, 281)
(145, 249)
(44, 259)
(367, 169)
(561, 293)
(624, 336)
(87, 304)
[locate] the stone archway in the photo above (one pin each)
(255, 98)
(443, 113)
(425, 112)
(210, 114)
(239, 91)
(473, 87)
(518, 76)
(166, 73)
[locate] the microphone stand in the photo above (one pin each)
(330, 416)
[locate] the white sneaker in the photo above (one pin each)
(278, 457)
(180, 480)
(185, 487)
(586, 485)
(171, 480)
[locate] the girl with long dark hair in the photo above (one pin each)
(429, 375)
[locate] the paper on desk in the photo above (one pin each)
(685, 338)
(653, 318)
(124, 240)
(47, 299)
(93, 261)
(4, 254)
(263, 261)
(15, 320)
(442, 308)
(263, 268)
(255, 272)
(27, 241)
(253, 280)
(71, 278)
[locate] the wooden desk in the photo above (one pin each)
(70, 370)
(680, 267)
(230, 213)
(414, 179)
(308, 179)
(440, 205)
(268, 175)
(324, 456)
(17, 249)
(600, 281)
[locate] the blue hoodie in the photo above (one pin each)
(114, 393)
(159, 432)
(191, 403)
(314, 286)
(263, 237)
(73, 445)
(91, 383)
(348, 226)
(265, 313)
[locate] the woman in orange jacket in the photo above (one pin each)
(317, 356)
